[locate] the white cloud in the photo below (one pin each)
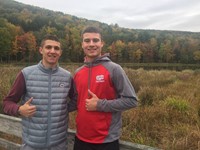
(182, 15)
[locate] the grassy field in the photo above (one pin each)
(168, 116)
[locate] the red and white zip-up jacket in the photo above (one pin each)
(111, 85)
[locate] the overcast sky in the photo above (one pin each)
(181, 15)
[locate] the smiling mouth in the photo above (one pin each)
(52, 56)
(92, 49)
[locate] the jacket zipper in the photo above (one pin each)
(89, 77)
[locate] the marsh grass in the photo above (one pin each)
(168, 114)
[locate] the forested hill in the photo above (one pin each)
(22, 27)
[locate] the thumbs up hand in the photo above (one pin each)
(27, 110)
(91, 103)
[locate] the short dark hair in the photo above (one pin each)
(49, 37)
(91, 29)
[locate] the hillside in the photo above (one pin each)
(19, 21)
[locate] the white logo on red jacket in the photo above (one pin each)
(100, 78)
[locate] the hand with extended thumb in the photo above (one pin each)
(27, 110)
(91, 103)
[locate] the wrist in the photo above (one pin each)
(18, 112)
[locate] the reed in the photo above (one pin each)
(168, 115)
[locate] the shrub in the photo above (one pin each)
(177, 104)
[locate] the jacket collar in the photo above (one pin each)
(98, 60)
(47, 70)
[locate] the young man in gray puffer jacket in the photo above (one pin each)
(43, 90)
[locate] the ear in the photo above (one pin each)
(82, 45)
(102, 43)
(40, 50)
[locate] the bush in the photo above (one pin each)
(177, 104)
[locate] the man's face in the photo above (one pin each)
(92, 45)
(51, 52)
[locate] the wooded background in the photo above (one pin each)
(23, 26)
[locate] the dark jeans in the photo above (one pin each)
(81, 145)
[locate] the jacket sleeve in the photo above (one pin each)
(126, 96)
(10, 102)
(72, 104)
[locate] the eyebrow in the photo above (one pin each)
(95, 40)
(50, 47)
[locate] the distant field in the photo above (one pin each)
(160, 66)
(168, 115)
(146, 66)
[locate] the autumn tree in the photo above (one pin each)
(138, 55)
(74, 48)
(8, 32)
(119, 48)
(169, 54)
(5, 43)
(130, 49)
(196, 55)
(26, 45)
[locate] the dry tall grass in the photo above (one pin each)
(169, 107)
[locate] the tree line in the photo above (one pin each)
(22, 27)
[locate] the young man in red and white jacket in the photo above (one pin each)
(104, 91)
